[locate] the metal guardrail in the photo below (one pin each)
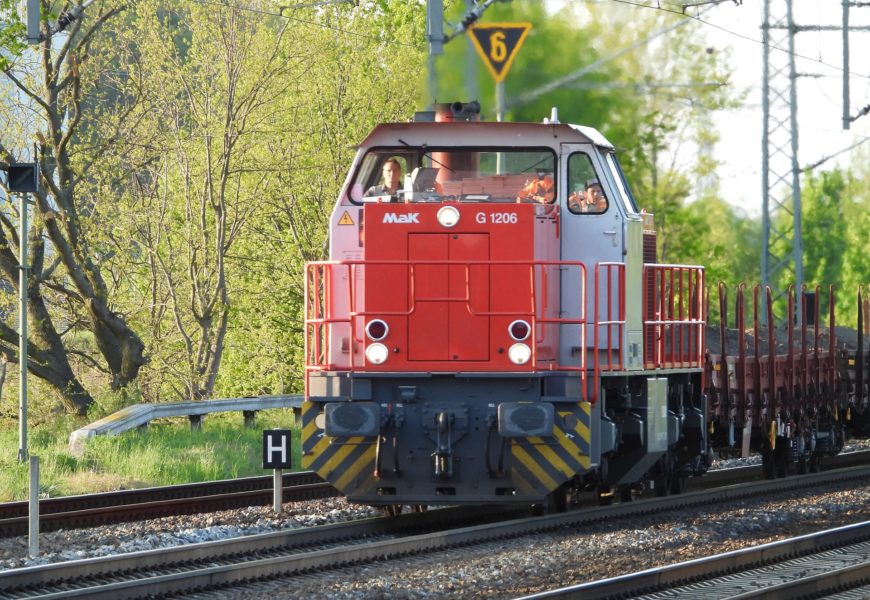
(139, 415)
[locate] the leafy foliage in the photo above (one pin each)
(243, 127)
(212, 140)
(12, 34)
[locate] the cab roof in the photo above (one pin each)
(482, 133)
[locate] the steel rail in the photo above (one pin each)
(232, 562)
(68, 512)
(807, 565)
(83, 578)
(87, 510)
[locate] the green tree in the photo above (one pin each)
(366, 68)
(72, 315)
(232, 158)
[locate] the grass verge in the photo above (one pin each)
(165, 453)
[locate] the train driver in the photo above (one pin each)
(590, 200)
(538, 190)
(595, 200)
(392, 175)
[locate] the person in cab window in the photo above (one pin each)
(595, 200)
(577, 200)
(540, 190)
(590, 200)
(392, 174)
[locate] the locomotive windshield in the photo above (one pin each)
(463, 174)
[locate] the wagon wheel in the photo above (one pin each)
(767, 461)
(802, 465)
(782, 460)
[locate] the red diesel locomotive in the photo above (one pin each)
(494, 329)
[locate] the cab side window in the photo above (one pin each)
(586, 194)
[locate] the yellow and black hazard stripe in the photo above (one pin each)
(540, 465)
(347, 463)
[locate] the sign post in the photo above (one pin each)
(33, 508)
(277, 456)
(498, 44)
(23, 179)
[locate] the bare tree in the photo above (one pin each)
(67, 280)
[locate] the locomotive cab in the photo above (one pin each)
(487, 330)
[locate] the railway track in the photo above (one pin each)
(212, 565)
(68, 512)
(807, 566)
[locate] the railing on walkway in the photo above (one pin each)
(673, 317)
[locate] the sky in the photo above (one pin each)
(736, 26)
(819, 91)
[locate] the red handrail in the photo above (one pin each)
(676, 324)
(322, 285)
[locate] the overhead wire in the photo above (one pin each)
(824, 159)
(819, 60)
(658, 7)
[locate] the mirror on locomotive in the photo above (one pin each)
(586, 194)
(457, 174)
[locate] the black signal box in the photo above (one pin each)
(23, 177)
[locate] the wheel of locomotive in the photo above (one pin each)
(604, 494)
(559, 499)
(662, 485)
(662, 479)
(678, 484)
(625, 494)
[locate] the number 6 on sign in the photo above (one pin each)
(498, 51)
(497, 44)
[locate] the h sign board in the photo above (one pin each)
(498, 44)
(276, 449)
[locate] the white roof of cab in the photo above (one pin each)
(482, 133)
(593, 134)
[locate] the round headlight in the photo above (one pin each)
(448, 216)
(377, 330)
(377, 354)
(519, 354)
(519, 330)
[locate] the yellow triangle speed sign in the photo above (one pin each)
(498, 44)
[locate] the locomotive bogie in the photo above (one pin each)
(660, 430)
